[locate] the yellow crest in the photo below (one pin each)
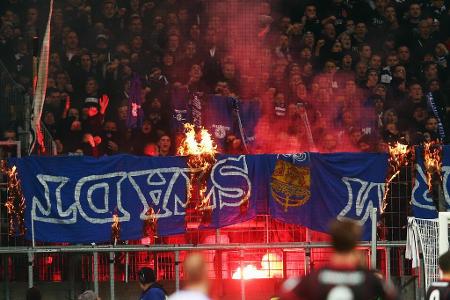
(290, 184)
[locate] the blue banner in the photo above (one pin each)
(422, 201)
(219, 118)
(73, 199)
(313, 189)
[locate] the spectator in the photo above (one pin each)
(196, 276)
(335, 280)
(151, 290)
(440, 289)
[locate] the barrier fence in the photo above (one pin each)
(108, 269)
(263, 248)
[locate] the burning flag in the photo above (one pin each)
(432, 154)
(115, 228)
(400, 155)
(200, 149)
(150, 225)
(15, 203)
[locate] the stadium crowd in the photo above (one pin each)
(365, 73)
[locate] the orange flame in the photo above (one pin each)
(432, 160)
(398, 157)
(115, 228)
(201, 150)
(150, 224)
(15, 203)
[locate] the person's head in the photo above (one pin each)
(146, 127)
(345, 235)
(164, 144)
(347, 61)
(375, 61)
(33, 294)
(195, 270)
(365, 52)
(71, 40)
(420, 113)
(403, 54)
(88, 295)
(372, 78)
(392, 60)
(424, 28)
(196, 72)
(361, 69)
(390, 116)
(431, 124)
(110, 126)
(399, 72)
(122, 112)
(431, 71)
(414, 10)
(9, 135)
(329, 31)
(91, 86)
(146, 278)
(329, 143)
(229, 71)
(330, 66)
(415, 92)
(311, 11)
(135, 25)
(151, 149)
(361, 29)
(444, 264)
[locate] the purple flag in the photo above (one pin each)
(135, 111)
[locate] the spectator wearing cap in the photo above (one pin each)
(151, 290)
(88, 295)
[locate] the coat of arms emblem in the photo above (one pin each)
(290, 184)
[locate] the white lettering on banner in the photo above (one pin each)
(160, 193)
(232, 193)
(69, 216)
(424, 199)
(106, 214)
(361, 201)
(156, 194)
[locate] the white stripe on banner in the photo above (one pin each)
(41, 86)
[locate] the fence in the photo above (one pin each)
(263, 248)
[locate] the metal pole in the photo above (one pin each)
(388, 263)
(96, 273)
(308, 253)
(177, 270)
(30, 269)
(242, 276)
(127, 258)
(111, 276)
(373, 246)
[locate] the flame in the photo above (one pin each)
(399, 156)
(272, 267)
(115, 228)
(201, 150)
(433, 161)
(150, 225)
(249, 272)
(15, 203)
